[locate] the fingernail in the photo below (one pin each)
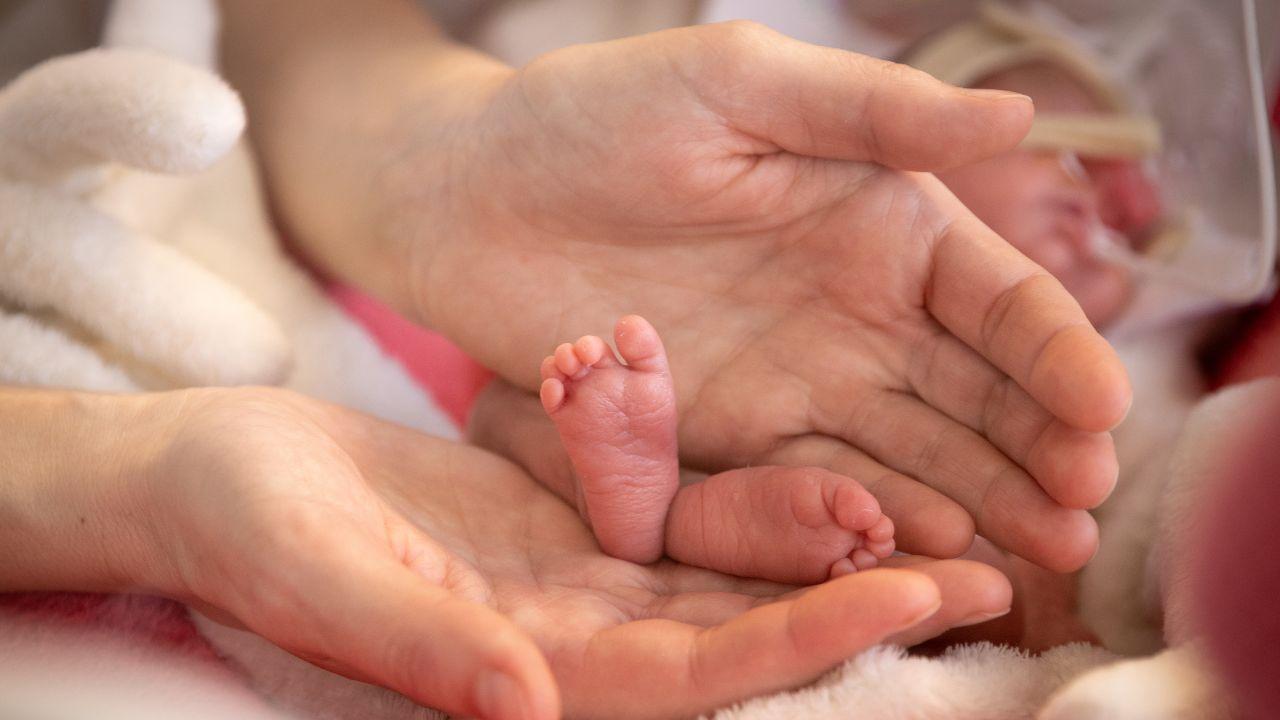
(1097, 547)
(978, 618)
(926, 614)
(1127, 409)
(499, 697)
(999, 95)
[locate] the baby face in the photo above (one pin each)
(1049, 204)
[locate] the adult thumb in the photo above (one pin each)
(369, 617)
(830, 103)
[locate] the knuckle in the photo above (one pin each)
(995, 322)
(737, 43)
(895, 72)
(740, 32)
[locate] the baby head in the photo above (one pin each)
(1079, 174)
(1049, 204)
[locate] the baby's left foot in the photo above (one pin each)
(618, 425)
(794, 525)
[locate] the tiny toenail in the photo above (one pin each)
(866, 517)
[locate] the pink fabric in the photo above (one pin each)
(150, 621)
(452, 377)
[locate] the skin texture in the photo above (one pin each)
(804, 304)
(819, 308)
(455, 564)
(618, 424)
(799, 525)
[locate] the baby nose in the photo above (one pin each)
(1128, 201)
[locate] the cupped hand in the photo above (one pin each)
(446, 573)
(821, 306)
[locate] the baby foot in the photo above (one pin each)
(618, 425)
(794, 525)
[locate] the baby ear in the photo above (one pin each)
(134, 107)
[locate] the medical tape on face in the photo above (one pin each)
(1098, 135)
(1002, 37)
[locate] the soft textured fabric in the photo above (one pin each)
(972, 682)
(123, 657)
(449, 374)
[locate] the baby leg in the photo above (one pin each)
(795, 525)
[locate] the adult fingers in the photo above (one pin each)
(830, 103)
(1006, 504)
(1076, 468)
(385, 623)
(765, 649)
(1022, 320)
(973, 592)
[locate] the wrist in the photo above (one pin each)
(431, 162)
(358, 111)
(73, 514)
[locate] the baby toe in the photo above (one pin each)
(639, 344)
(855, 508)
(549, 370)
(590, 350)
(566, 360)
(881, 550)
(863, 559)
(552, 394)
(881, 530)
(840, 568)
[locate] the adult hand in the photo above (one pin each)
(441, 571)
(747, 194)
(733, 186)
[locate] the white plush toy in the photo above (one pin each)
(136, 252)
(89, 294)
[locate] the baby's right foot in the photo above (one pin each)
(793, 525)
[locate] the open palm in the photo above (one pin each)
(425, 566)
(625, 640)
(818, 307)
